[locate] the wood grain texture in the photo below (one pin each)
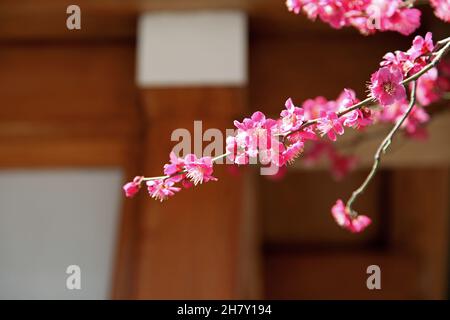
(420, 224)
(339, 275)
(67, 105)
(71, 106)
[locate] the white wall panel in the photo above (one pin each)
(192, 48)
(52, 219)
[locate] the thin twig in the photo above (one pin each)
(380, 151)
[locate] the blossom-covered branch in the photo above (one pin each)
(369, 16)
(278, 142)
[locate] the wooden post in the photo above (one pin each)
(192, 66)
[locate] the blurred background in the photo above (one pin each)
(83, 111)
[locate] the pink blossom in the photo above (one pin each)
(346, 99)
(313, 107)
(292, 152)
(270, 151)
(131, 188)
(294, 6)
(393, 15)
(343, 218)
(412, 124)
(386, 85)
(303, 135)
(175, 166)
(399, 59)
(421, 46)
(360, 223)
(236, 149)
(330, 124)
(331, 12)
(292, 117)
(405, 21)
(358, 118)
(257, 121)
(199, 170)
(365, 15)
(428, 90)
(256, 136)
(441, 9)
(161, 189)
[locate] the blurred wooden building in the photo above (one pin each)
(91, 98)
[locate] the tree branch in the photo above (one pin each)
(380, 151)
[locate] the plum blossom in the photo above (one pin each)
(404, 21)
(399, 59)
(161, 189)
(131, 188)
(292, 117)
(345, 220)
(294, 6)
(441, 9)
(292, 152)
(175, 168)
(386, 85)
(413, 124)
(358, 118)
(428, 88)
(199, 170)
(330, 124)
(256, 136)
(176, 164)
(367, 16)
(421, 46)
(270, 151)
(313, 107)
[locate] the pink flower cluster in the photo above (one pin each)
(441, 9)
(367, 16)
(259, 136)
(187, 171)
(387, 85)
